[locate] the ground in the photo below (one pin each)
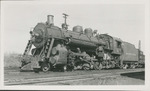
(125, 79)
(116, 76)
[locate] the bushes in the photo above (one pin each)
(12, 60)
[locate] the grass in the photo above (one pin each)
(12, 60)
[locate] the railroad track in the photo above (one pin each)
(55, 80)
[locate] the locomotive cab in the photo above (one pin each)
(117, 46)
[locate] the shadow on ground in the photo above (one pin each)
(136, 75)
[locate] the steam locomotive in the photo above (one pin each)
(63, 49)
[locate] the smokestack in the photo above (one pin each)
(50, 19)
(139, 45)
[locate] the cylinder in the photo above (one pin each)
(50, 19)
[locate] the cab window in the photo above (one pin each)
(118, 44)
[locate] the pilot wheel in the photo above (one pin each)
(45, 67)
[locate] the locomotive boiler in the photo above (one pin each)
(63, 49)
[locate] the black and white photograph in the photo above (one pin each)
(72, 44)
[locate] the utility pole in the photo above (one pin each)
(139, 44)
(64, 25)
(65, 16)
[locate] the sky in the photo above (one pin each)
(125, 21)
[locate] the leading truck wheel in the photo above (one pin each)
(45, 67)
(86, 66)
